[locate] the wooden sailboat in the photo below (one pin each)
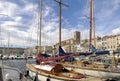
(92, 68)
(51, 72)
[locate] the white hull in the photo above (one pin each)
(41, 77)
(96, 73)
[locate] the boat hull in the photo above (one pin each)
(41, 77)
(97, 73)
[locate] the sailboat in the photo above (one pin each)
(93, 68)
(46, 71)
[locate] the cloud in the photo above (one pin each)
(116, 31)
(14, 25)
(9, 8)
(22, 23)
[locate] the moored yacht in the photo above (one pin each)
(53, 72)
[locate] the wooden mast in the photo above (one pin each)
(94, 26)
(91, 21)
(39, 47)
(60, 18)
(60, 13)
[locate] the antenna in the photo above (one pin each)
(61, 3)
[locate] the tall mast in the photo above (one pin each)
(94, 25)
(91, 20)
(60, 22)
(40, 26)
(60, 13)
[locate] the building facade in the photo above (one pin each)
(69, 45)
(77, 37)
(111, 42)
(11, 51)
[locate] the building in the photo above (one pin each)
(75, 44)
(77, 37)
(11, 51)
(69, 44)
(111, 42)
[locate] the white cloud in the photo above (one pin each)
(15, 25)
(18, 18)
(116, 31)
(23, 32)
(9, 8)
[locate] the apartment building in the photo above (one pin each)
(11, 51)
(111, 42)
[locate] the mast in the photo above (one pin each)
(39, 46)
(60, 18)
(91, 21)
(60, 13)
(8, 43)
(94, 26)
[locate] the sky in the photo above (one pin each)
(19, 20)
